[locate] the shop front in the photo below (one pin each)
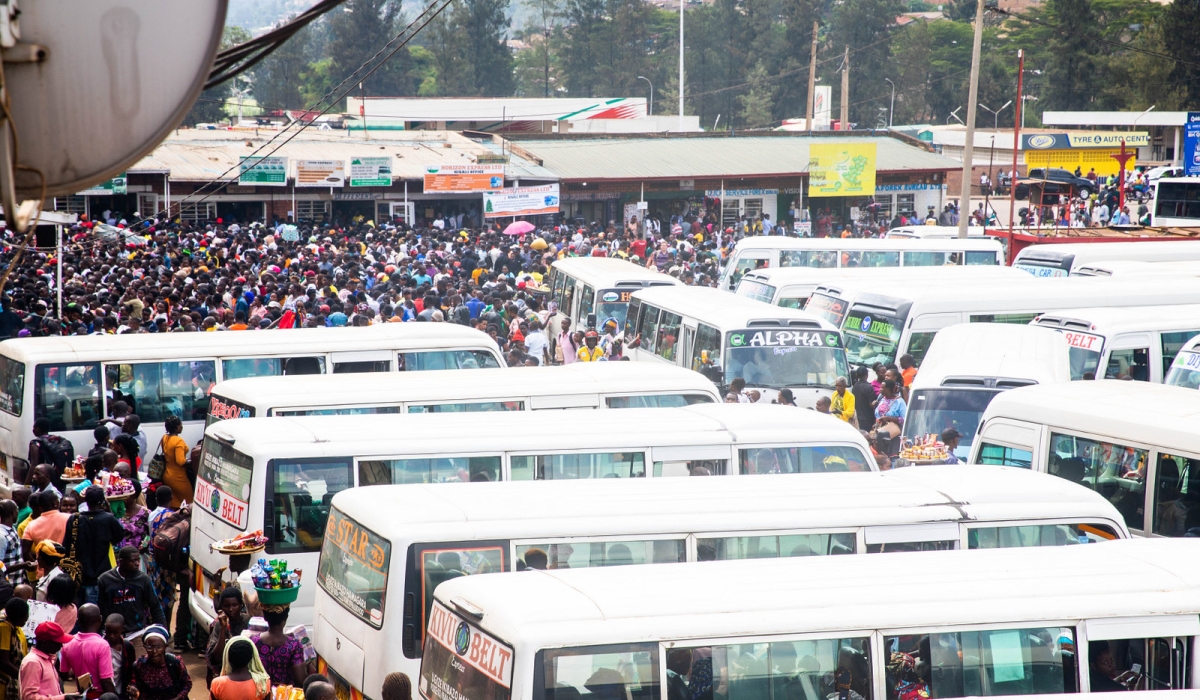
(1085, 150)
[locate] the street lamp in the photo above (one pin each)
(892, 108)
(1024, 109)
(642, 77)
(995, 114)
(954, 115)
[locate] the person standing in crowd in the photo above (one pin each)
(281, 654)
(38, 678)
(121, 652)
(90, 536)
(864, 398)
(159, 675)
(842, 401)
(10, 544)
(397, 686)
(129, 592)
(230, 622)
(242, 674)
(13, 645)
(89, 653)
(175, 450)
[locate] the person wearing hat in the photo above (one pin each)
(591, 350)
(159, 675)
(49, 555)
(38, 677)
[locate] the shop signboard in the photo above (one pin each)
(257, 170)
(841, 169)
(371, 172)
(464, 177)
(521, 201)
(320, 173)
(1086, 139)
(1191, 145)
(117, 185)
(822, 107)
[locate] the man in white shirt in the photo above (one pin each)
(537, 345)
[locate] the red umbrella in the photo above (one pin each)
(518, 228)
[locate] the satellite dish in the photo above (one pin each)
(114, 78)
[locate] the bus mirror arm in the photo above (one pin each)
(591, 321)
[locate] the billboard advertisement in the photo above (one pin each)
(464, 177)
(841, 169)
(520, 201)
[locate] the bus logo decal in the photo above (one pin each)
(865, 324)
(462, 639)
(737, 340)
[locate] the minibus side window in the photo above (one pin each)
(1131, 363)
(1172, 343)
(585, 555)
(981, 257)
(67, 395)
(155, 390)
(589, 465)
(810, 668)
(444, 359)
(430, 564)
(568, 299)
(707, 348)
(631, 319)
(668, 336)
(1016, 319)
(467, 407)
(1176, 495)
(648, 327)
(428, 471)
(923, 258)
(871, 258)
(775, 546)
(918, 345)
(1114, 471)
(587, 302)
(362, 367)
(238, 368)
(1005, 456)
(982, 663)
(613, 672)
(808, 258)
(12, 385)
(301, 491)
(657, 400)
(1048, 535)
(1161, 664)
(801, 460)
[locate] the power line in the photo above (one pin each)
(237, 59)
(1062, 30)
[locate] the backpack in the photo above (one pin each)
(56, 450)
(169, 545)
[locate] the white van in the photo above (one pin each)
(1061, 259)
(1138, 342)
(969, 364)
(600, 286)
(1135, 443)
(792, 286)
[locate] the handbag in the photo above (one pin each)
(69, 563)
(158, 464)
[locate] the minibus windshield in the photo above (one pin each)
(1185, 371)
(828, 307)
(777, 359)
(871, 337)
(759, 291)
(353, 568)
(614, 304)
(1085, 351)
(935, 410)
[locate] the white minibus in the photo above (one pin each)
(724, 336)
(886, 320)
(578, 385)
(278, 475)
(993, 623)
(73, 381)
(968, 365)
(1176, 202)
(429, 534)
(792, 286)
(600, 286)
(1061, 259)
(1185, 369)
(1138, 268)
(757, 252)
(1134, 443)
(1138, 342)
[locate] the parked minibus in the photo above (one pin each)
(1061, 259)
(724, 336)
(885, 320)
(1138, 342)
(73, 381)
(430, 534)
(600, 286)
(758, 252)
(791, 286)
(280, 474)
(1135, 443)
(1185, 369)
(1176, 202)
(992, 623)
(968, 365)
(578, 385)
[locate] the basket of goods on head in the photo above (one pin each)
(242, 544)
(274, 583)
(928, 449)
(74, 471)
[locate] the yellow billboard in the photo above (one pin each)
(845, 169)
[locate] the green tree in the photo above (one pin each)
(1181, 38)
(546, 16)
(864, 26)
(470, 52)
(210, 106)
(357, 31)
(756, 100)
(583, 45)
(276, 81)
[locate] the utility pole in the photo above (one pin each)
(1018, 117)
(964, 207)
(846, 89)
(682, 3)
(812, 81)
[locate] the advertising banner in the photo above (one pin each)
(1084, 139)
(223, 484)
(462, 177)
(256, 170)
(320, 173)
(371, 172)
(521, 201)
(1191, 145)
(841, 169)
(822, 108)
(463, 662)
(117, 185)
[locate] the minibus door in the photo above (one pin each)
(689, 335)
(1140, 653)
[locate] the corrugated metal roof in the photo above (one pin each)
(711, 157)
(197, 155)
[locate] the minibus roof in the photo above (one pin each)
(1116, 250)
(948, 493)
(782, 276)
(99, 348)
(493, 383)
(613, 273)
(1138, 412)
(1140, 268)
(1004, 351)
(898, 243)
(534, 431)
(1110, 320)
(596, 606)
(730, 310)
